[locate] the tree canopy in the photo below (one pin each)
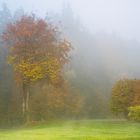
(36, 49)
(36, 52)
(125, 93)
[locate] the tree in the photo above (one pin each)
(134, 113)
(125, 93)
(122, 96)
(136, 100)
(5, 16)
(5, 70)
(36, 52)
(56, 103)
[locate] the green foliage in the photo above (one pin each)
(122, 96)
(126, 93)
(134, 113)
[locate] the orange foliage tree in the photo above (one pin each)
(36, 52)
(125, 93)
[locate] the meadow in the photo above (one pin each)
(76, 130)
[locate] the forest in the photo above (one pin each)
(54, 69)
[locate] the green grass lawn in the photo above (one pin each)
(76, 130)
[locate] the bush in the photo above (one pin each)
(134, 113)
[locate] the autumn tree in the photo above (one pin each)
(55, 102)
(136, 100)
(125, 94)
(122, 96)
(37, 52)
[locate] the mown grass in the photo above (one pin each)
(76, 130)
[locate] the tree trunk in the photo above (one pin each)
(23, 106)
(25, 103)
(27, 106)
(126, 115)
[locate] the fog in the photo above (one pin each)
(119, 17)
(105, 36)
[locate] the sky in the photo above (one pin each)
(121, 17)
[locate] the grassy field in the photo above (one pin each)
(76, 130)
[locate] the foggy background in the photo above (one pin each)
(105, 35)
(113, 16)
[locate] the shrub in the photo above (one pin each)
(134, 113)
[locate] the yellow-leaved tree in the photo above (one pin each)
(36, 52)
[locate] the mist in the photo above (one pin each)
(105, 37)
(117, 16)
